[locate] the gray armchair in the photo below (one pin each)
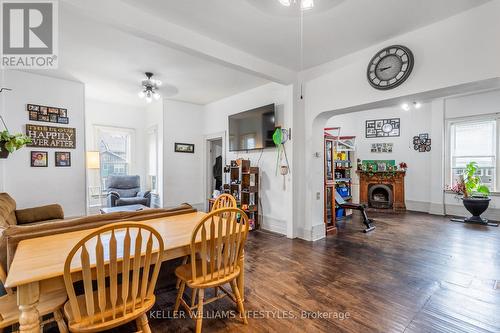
(126, 190)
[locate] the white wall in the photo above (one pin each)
(275, 200)
(413, 122)
(441, 61)
(39, 186)
(182, 172)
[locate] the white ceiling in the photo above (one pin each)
(333, 29)
(207, 50)
(111, 63)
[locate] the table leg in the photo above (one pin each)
(27, 300)
(241, 278)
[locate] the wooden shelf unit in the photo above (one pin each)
(244, 186)
(338, 171)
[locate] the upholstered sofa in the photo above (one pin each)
(17, 225)
(126, 190)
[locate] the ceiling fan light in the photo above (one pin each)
(141, 94)
(306, 4)
(286, 3)
(148, 99)
(158, 83)
(156, 96)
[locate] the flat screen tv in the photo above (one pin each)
(252, 129)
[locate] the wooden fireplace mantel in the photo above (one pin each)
(394, 178)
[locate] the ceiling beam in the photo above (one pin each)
(128, 18)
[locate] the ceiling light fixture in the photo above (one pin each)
(417, 105)
(149, 88)
(304, 4)
(405, 106)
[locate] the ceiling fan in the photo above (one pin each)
(304, 4)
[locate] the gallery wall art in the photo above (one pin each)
(380, 128)
(422, 143)
(48, 114)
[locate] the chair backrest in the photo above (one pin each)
(3, 277)
(114, 250)
(224, 201)
(219, 239)
(126, 186)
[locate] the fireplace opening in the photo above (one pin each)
(380, 196)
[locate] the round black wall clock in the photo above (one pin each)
(390, 67)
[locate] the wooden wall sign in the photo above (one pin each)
(51, 136)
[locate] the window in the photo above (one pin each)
(475, 140)
(153, 159)
(114, 144)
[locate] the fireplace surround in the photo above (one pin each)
(383, 190)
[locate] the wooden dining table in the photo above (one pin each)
(38, 263)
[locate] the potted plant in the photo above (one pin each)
(9, 143)
(475, 194)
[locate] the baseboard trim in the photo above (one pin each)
(418, 206)
(459, 210)
(273, 225)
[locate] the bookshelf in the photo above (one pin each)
(338, 170)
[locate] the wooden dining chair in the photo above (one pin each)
(119, 268)
(49, 303)
(217, 244)
(224, 201)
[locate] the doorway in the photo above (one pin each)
(215, 161)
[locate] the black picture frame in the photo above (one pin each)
(180, 147)
(37, 162)
(47, 114)
(374, 128)
(62, 158)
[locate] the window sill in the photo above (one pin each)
(492, 194)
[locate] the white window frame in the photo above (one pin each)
(132, 144)
(449, 148)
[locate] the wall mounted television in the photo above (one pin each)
(252, 129)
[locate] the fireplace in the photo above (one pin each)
(382, 190)
(380, 196)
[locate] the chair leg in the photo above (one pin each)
(143, 324)
(199, 314)
(61, 324)
(184, 261)
(179, 295)
(193, 296)
(239, 301)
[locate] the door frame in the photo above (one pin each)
(208, 164)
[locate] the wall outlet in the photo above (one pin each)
(318, 195)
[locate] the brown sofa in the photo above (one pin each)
(16, 225)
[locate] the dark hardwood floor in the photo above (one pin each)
(414, 273)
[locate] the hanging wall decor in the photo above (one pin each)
(422, 143)
(380, 128)
(47, 114)
(51, 136)
(382, 147)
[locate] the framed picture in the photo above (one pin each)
(48, 114)
(63, 159)
(39, 159)
(63, 120)
(33, 115)
(32, 107)
(184, 147)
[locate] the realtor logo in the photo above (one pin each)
(29, 34)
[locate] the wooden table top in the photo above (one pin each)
(43, 258)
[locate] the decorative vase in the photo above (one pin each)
(476, 206)
(4, 153)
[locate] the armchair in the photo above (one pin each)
(126, 190)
